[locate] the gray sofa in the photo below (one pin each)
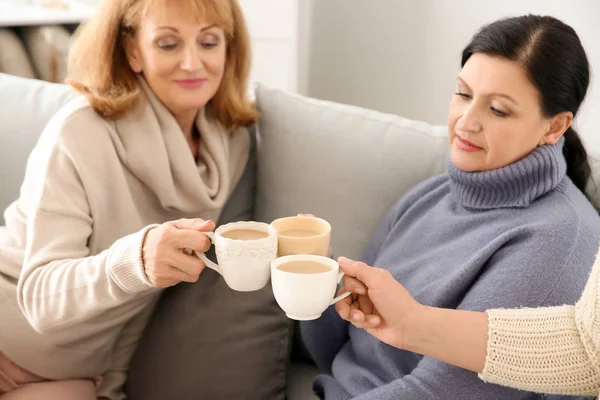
(345, 164)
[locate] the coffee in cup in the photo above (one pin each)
(304, 267)
(305, 285)
(244, 234)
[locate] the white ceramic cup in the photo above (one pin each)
(305, 296)
(244, 264)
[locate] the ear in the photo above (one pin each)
(134, 56)
(557, 126)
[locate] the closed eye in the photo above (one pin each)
(209, 45)
(168, 46)
(464, 96)
(499, 113)
(209, 41)
(167, 43)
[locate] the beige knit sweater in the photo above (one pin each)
(73, 293)
(548, 350)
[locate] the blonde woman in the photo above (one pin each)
(121, 181)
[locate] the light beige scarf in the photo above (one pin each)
(172, 173)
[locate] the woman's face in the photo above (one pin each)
(495, 117)
(183, 60)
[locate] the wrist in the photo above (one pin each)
(415, 331)
(145, 245)
(457, 337)
(411, 327)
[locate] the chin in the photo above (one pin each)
(188, 106)
(465, 162)
(193, 105)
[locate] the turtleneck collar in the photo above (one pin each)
(515, 185)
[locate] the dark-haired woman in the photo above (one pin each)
(508, 225)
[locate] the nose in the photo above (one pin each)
(470, 120)
(191, 60)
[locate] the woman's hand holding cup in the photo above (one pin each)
(166, 261)
(379, 304)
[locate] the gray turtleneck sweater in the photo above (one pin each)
(518, 236)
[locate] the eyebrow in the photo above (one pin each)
(504, 95)
(171, 28)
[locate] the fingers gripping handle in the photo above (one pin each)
(205, 259)
(342, 296)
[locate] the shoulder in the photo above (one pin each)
(74, 126)
(75, 142)
(562, 226)
(75, 132)
(428, 185)
(567, 209)
(571, 209)
(557, 241)
(438, 185)
(422, 195)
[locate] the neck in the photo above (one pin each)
(515, 185)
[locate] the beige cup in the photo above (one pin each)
(302, 235)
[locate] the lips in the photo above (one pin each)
(466, 146)
(467, 143)
(195, 83)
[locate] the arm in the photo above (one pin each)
(567, 344)
(457, 337)
(560, 358)
(466, 339)
(61, 284)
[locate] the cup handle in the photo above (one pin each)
(203, 257)
(342, 296)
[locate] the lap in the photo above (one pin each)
(77, 389)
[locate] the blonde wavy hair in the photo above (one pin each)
(98, 66)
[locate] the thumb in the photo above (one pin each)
(197, 224)
(370, 276)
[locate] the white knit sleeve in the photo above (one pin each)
(548, 350)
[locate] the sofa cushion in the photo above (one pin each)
(27, 105)
(300, 381)
(13, 55)
(48, 48)
(343, 163)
